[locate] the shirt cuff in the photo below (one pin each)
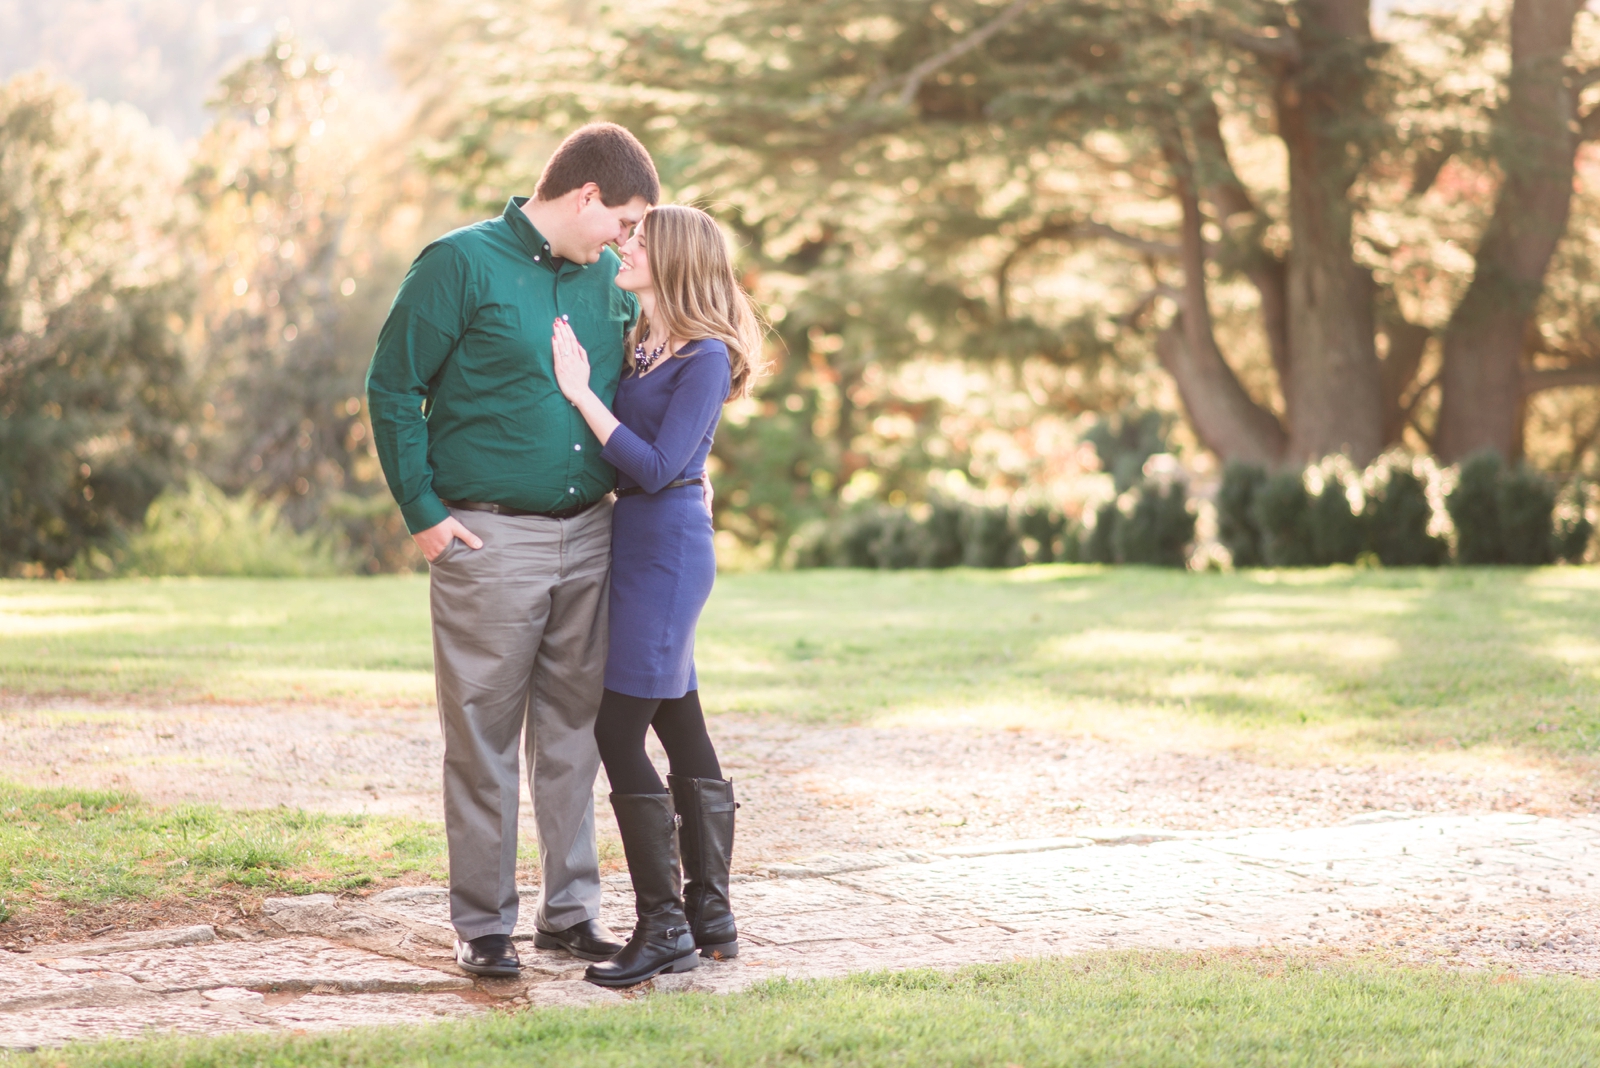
(424, 512)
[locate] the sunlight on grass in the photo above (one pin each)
(1497, 660)
(1103, 1009)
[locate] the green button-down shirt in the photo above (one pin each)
(462, 391)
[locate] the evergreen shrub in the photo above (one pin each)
(1506, 515)
(1397, 515)
(1573, 530)
(1236, 522)
(1527, 504)
(1474, 508)
(1338, 535)
(1282, 513)
(1101, 547)
(202, 531)
(940, 534)
(1160, 528)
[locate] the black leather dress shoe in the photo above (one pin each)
(488, 955)
(590, 940)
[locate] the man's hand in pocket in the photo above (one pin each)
(436, 539)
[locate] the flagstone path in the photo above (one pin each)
(1498, 888)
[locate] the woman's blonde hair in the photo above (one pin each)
(697, 295)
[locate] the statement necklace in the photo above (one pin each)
(642, 362)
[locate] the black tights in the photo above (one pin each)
(619, 732)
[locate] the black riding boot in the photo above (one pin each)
(662, 941)
(706, 807)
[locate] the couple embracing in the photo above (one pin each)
(543, 405)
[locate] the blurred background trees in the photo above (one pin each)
(1046, 261)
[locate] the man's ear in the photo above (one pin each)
(588, 193)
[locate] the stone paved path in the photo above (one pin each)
(1505, 889)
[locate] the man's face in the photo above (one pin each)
(596, 226)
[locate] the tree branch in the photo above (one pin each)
(918, 74)
(1284, 48)
(1582, 373)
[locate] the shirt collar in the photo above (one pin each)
(528, 234)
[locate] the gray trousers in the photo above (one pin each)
(519, 651)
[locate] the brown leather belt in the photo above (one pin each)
(503, 509)
(631, 490)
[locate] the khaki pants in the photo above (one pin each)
(519, 650)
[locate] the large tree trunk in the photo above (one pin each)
(1535, 142)
(1224, 416)
(1333, 391)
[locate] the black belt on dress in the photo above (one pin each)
(503, 509)
(631, 490)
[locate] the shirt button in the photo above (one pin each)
(536, 259)
(571, 489)
(577, 448)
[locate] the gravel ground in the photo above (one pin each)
(805, 790)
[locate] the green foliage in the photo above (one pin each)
(1573, 530)
(1282, 512)
(935, 535)
(1097, 1010)
(1160, 528)
(1101, 547)
(1527, 504)
(202, 531)
(988, 538)
(1236, 521)
(87, 846)
(1124, 442)
(1505, 515)
(300, 281)
(93, 305)
(1474, 507)
(1397, 516)
(1338, 535)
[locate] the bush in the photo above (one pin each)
(1282, 513)
(203, 531)
(1337, 534)
(947, 534)
(1527, 504)
(1236, 523)
(1101, 548)
(988, 539)
(1397, 515)
(1047, 530)
(1573, 530)
(1475, 510)
(1159, 530)
(1504, 515)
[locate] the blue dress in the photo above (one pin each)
(663, 562)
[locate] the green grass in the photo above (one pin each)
(1122, 1009)
(87, 847)
(1457, 657)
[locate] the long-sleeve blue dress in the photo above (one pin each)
(663, 562)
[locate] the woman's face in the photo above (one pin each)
(634, 275)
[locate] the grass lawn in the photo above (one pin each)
(1122, 1009)
(1450, 658)
(90, 847)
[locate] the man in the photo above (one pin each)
(501, 484)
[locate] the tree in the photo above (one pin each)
(297, 191)
(94, 310)
(957, 158)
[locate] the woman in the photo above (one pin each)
(695, 348)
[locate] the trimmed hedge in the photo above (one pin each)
(1502, 515)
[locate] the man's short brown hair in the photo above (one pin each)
(607, 155)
